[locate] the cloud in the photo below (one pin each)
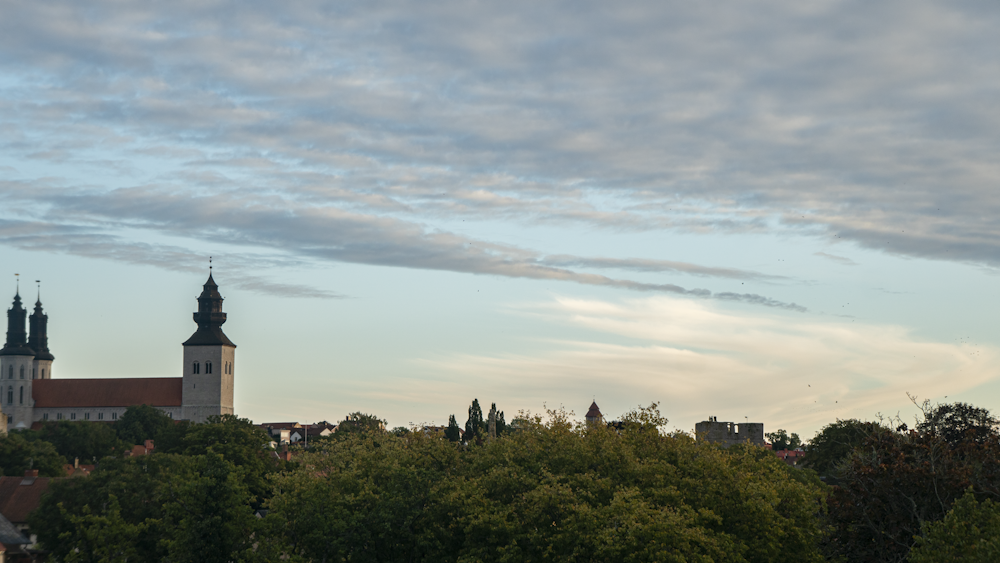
(840, 120)
(328, 233)
(838, 259)
(788, 372)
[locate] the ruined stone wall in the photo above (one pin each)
(730, 433)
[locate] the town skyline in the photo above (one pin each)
(779, 213)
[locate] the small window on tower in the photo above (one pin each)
(10, 372)
(22, 372)
(208, 367)
(10, 395)
(22, 395)
(33, 370)
(43, 373)
(196, 368)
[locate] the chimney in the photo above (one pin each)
(31, 473)
(76, 463)
(149, 446)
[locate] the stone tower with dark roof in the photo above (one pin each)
(16, 365)
(594, 415)
(209, 360)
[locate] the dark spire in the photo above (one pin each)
(594, 414)
(210, 318)
(38, 333)
(17, 339)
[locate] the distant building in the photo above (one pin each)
(594, 415)
(18, 497)
(29, 394)
(729, 433)
(292, 432)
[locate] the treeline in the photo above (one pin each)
(546, 489)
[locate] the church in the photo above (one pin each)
(29, 394)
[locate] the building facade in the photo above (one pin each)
(730, 433)
(29, 394)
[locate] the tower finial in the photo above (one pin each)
(39, 282)
(17, 280)
(210, 264)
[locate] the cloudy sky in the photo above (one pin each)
(776, 211)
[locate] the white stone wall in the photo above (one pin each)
(42, 369)
(206, 394)
(96, 414)
(15, 389)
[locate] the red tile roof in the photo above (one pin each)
(67, 393)
(17, 500)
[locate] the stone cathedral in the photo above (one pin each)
(29, 394)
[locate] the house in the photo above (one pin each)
(18, 497)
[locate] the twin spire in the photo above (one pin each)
(18, 341)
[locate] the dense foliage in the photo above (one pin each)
(552, 491)
(543, 490)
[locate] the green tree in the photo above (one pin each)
(475, 426)
(896, 482)
(240, 442)
(18, 454)
(970, 532)
(958, 422)
(160, 507)
(140, 423)
(834, 443)
(359, 423)
(86, 441)
(453, 432)
(553, 490)
(780, 440)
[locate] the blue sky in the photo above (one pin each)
(781, 212)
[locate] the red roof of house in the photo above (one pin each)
(17, 500)
(153, 391)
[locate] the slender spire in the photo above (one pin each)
(38, 332)
(17, 338)
(209, 317)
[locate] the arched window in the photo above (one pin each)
(22, 372)
(10, 395)
(208, 367)
(43, 373)
(34, 371)
(22, 396)
(195, 368)
(10, 372)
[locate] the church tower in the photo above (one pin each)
(16, 362)
(38, 340)
(209, 361)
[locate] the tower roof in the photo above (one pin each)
(210, 318)
(38, 338)
(594, 412)
(17, 337)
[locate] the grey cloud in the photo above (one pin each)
(838, 259)
(865, 122)
(327, 233)
(644, 265)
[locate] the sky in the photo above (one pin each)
(778, 212)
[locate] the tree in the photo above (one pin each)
(896, 482)
(957, 422)
(160, 507)
(780, 440)
(18, 455)
(86, 441)
(359, 422)
(140, 423)
(475, 426)
(834, 443)
(240, 442)
(553, 490)
(453, 432)
(970, 532)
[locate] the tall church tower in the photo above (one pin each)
(38, 340)
(16, 362)
(209, 361)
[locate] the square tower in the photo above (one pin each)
(209, 361)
